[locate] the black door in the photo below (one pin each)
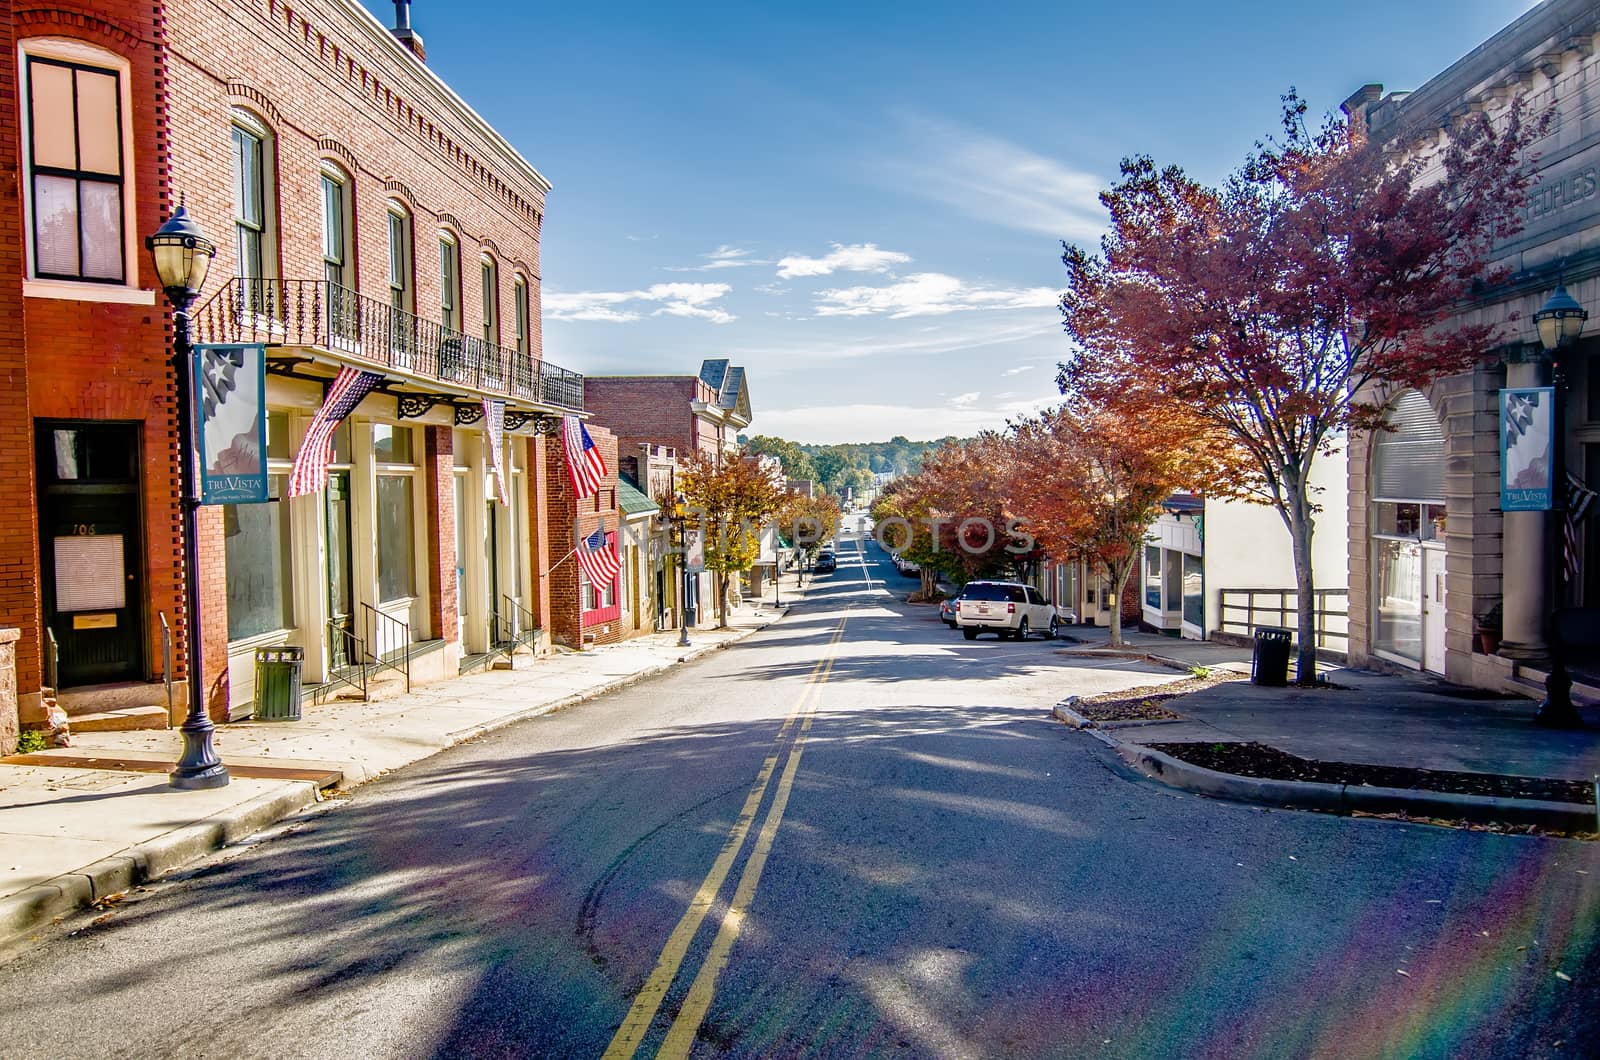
(91, 555)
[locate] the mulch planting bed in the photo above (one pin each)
(1144, 703)
(1269, 763)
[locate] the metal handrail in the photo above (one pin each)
(524, 623)
(346, 646)
(1282, 607)
(166, 657)
(374, 623)
(327, 315)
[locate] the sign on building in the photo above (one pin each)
(1527, 446)
(230, 390)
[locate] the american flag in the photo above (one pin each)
(494, 424)
(584, 461)
(1579, 500)
(597, 555)
(310, 472)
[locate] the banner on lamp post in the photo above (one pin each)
(694, 560)
(1527, 449)
(230, 417)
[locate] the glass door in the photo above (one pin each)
(341, 597)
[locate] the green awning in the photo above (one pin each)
(632, 501)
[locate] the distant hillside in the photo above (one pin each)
(853, 464)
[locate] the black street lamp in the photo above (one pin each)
(1560, 322)
(182, 255)
(680, 511)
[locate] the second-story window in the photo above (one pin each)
(400, 260)
(491, 299)
(519, 297)
(249, 202)
(449, 283)
(335, 227)
(75, 159)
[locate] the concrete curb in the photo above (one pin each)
(42, 903)
(1339, 798)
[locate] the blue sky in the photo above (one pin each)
(862, 203)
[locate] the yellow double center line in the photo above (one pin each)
(681, 1036)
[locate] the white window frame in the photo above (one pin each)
(521, 310)
(412, 471)
(489, 280)
(407, 285)
(450, 314)
(252, 124)
(329, 172)
(128, 292)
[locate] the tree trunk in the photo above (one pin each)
(929, 586)
(1301, 527)
(722, 601)
(1119, 582)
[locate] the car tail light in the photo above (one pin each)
(1011, 609)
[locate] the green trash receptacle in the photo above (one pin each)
(278, 684)
(1269, 664)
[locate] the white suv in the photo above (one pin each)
(1011, 609)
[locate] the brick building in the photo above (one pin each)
(686, 414)
(366, 217)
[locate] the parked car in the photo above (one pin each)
(947, 610)
(826, 563)
(906, 567)
(1010, 609)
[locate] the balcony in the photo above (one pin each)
(322, 315)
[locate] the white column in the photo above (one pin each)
(1523, 575)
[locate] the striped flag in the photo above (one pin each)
(494, 424)
(310, 472)
(1579, 500)
(584, 461)
(597, 555)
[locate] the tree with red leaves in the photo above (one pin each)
(1284, 307)
(1089, 482)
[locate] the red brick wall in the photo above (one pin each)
(88, 360)
(19, 550)
(566, 622)
(648, 409)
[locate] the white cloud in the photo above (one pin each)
(928, 294)
(965, 401)
(859, 257)
(955, 336)
(997, 181)
(724, 257)
(1018, 370)
(671, 299)
(832, 424)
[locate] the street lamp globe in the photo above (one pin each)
(182, 256)
(1560, 320)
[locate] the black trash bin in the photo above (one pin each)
(278, 684)
(1269, 665)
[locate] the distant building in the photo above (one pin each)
(690, 413)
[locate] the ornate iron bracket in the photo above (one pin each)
(413, 406)
(544, 423)
(515, 420)
(468, 414)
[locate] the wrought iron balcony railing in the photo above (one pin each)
(318, 313)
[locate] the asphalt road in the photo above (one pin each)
(853, 835)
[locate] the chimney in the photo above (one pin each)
(404, 33)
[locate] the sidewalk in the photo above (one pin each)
(1410, 721)
(72, 834)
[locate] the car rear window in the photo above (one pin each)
(1002, 593)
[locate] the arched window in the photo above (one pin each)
(519, 300)
(449, 281)
(489, 272)
(338, 215)
(255, 207)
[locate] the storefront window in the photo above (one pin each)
(396, 567)
(1152, 578)
(1194, 600)
(391, 444)
(256, 548)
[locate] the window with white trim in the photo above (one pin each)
(76, 153)
(395, 462)
(519, 299)
(254, 208)
(336, 235)
(449, 282)
(490, 276)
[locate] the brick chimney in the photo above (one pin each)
(404, 33)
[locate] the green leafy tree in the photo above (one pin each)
(732, 499)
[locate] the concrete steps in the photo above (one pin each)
(125, 720)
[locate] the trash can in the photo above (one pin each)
(1269, 665)
(278, 684)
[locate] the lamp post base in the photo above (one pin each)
(1556, 710)
(199, 767)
